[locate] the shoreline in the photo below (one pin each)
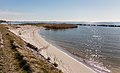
(65, 62)
(63, 49)
(92, 64)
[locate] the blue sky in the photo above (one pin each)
(63, 10)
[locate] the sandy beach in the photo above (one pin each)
(65, 62)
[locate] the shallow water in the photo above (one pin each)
(98, 47)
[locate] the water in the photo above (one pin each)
(98, 47)
(59, 22)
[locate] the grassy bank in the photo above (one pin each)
(16, 56)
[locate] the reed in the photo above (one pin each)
(60, 26)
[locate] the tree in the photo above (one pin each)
(3, 21)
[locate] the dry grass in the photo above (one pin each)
(7, 61)
(15, 52)
(59, 26)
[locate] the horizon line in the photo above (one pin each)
(65, 20)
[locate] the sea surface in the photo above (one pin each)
(97, 47)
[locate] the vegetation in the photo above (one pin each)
(32, 24)
(52, 26)
(22, 63)
(2, 21)
(16, 58)
(60, 26)
(7, 61)
(55, 64)
(48, 59)
(32, 47)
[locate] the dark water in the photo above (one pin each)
(98, 47)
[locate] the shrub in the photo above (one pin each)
(11, 41)
(22, 63)
(13, 46)
(32, 47)
(48, 58)
(19, 56)
(7, 33)
(55, 64)
(26, 67)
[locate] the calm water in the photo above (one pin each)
(98, 47)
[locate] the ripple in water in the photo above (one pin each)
(98, 47)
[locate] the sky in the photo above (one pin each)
(60, 10)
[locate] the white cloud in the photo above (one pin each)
(14, 15)
(7, 12)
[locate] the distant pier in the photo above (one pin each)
(103, 25)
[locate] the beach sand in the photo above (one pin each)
(65, 62)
